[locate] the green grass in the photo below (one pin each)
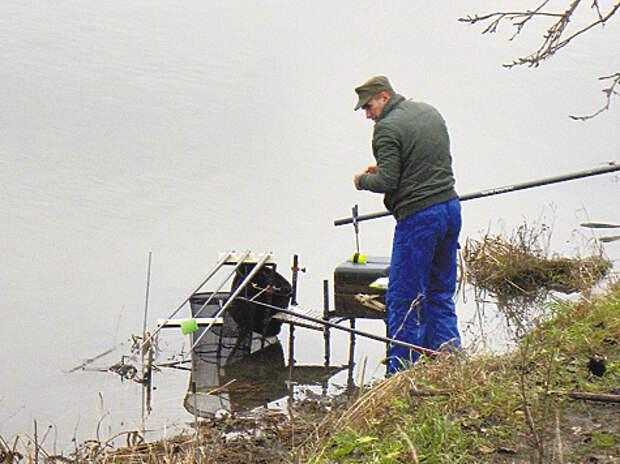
(431, 438)
(492, 404)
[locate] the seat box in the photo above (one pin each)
(351, 279)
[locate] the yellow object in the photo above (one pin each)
(358, 258)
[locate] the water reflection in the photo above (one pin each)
(236, 369)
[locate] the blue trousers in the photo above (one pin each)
(423, 268)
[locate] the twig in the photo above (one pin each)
(551, 44)
(414, 304)
(221, 387)
(605, 397)
(553, 40)
(608, 91)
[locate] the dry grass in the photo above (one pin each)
(518, 267)
(266, 437)
(450, 385)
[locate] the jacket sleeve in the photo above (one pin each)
(386, 148)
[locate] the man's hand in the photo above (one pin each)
(368, 170)
(356, 179)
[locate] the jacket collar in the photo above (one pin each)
(390, 105)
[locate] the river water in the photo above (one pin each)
(188, 129)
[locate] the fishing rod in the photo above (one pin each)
(333, 325)
(611, 167)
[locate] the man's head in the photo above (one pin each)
(373, 96)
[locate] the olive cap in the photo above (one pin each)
(370, 88)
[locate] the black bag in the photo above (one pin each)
(274, 290)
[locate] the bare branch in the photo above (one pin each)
(608, 91)
(513, 16)
(520, 24)
(552, 42)
(554, 39)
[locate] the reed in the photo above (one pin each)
(518, 267)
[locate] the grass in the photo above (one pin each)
(485, 408)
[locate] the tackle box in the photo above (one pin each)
(351, 279)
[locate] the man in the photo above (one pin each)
(411, 146)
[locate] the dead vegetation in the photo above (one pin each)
(518, 267)
(264, 437)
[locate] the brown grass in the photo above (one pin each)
(267, 437)
(517, 267)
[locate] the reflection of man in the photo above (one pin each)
(411, 146)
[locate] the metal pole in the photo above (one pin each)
(291, 350)
(206, 303)
(295, 272)
(144, 324)
(215, 269)
(291, 333)
(147, 293)
(327, 349)
(149, 379)
(351, 355)
(255, 269)
(356, 227)
(291, 326)
(346, 329)
(498, 190)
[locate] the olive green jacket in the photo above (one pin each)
(414, 168)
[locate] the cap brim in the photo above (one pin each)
(361, 102)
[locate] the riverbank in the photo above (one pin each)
(554, 399)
